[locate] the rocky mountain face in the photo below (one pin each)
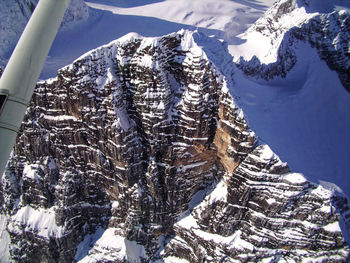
(261, 213)
(137, 152)
(15, 14)
(316, 23)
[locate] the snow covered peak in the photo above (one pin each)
(285, 14)
(187, 42)
(310, 6)
(269, 30)
(283, 7)
(266, 153)
(322, 23)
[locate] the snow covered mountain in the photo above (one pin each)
(288, 22)
(14, 16)
(139, 150)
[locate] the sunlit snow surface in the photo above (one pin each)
(303, 118)
(4, 240)
(111, 19)
(114, 248)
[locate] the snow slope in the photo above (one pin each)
(303, 118)
(5, 240)
(109, 20)
(113, 247)
(230, 17)
(280, 21)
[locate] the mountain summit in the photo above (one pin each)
(318, 23)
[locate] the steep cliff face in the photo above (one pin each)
(141, 124)
(261, 212)
(137, 152)
(289, 22)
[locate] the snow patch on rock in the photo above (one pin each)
(109, 245)
(39, 221)
(4, 240)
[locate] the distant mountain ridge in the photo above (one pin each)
(289, 21)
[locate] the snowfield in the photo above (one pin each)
(109, 20)
(303, 118)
